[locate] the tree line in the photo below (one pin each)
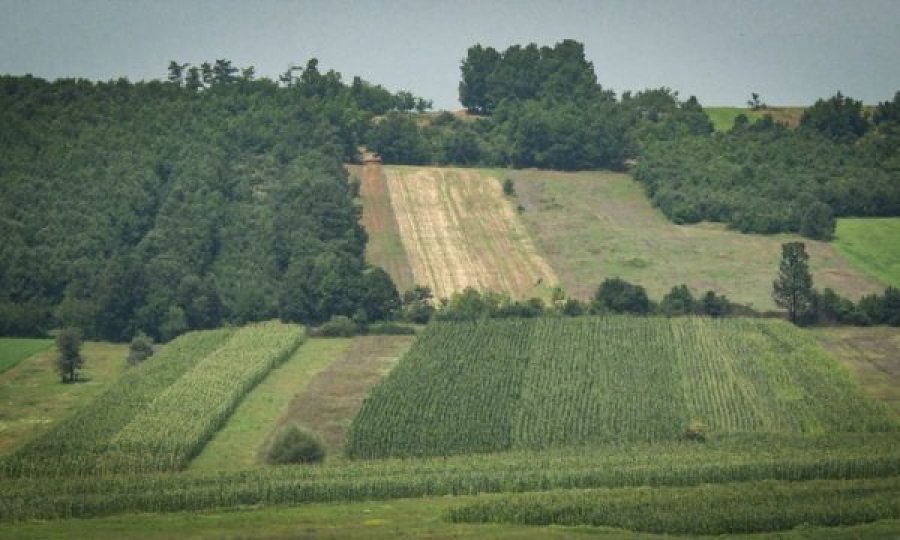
(543, 107)
(165, 206)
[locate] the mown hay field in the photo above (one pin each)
(459, 231)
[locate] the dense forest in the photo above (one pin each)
(543, 107)
(212, 197)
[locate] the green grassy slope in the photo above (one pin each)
(508, 384)
(14, 350)
(872, 245)
(594, 225)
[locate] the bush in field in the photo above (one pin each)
(337, 326)
(509, 188)
(69, 359)
(616, 295)
(293, 445)
(140, 349)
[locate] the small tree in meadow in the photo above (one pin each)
(69, 359)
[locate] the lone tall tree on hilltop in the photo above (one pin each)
(68, 360)
(793, 290)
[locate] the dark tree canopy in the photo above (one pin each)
(169, 206)
(616, 295)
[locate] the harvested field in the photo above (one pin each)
(328, 403)
(595, 225)
(384, 248)
(460, 231)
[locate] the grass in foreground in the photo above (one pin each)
(595, 225)
(872, 245)
(535, 383)
(14, 350)
(239, 443)
(32, 399)
(403, 518)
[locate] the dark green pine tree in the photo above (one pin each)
(793, 289)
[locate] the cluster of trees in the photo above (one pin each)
(765, 177)
(169, 206)
(541, 107)
(793, 290)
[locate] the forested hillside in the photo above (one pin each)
(164, 206)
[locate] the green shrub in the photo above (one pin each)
(337, 326)
(293, 445)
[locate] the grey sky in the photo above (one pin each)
(791, 52)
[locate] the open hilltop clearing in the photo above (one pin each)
(723, 117)
(872, 245)
(594, 225)
(384, 247)
(32, 399)
(528, 384)
(872, 355)
(459, 231)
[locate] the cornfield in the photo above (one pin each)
(161, 413)
(751, 507)
(518, 384)
(742, 458)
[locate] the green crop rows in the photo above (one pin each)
(162, 412)
(749, 507)
(736, 458)
(518, 384)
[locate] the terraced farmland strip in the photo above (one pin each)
(14, 350)
(327, 405)
(72, 447)
(175, 426)
(751, 507)
(384, 247)
(459, 231)
(239, 443)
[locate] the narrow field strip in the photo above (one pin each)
(175, 426)
(459, 231)
(72, 447)
(384, 247)
(750, 507)
(328, 403)
(238, 444)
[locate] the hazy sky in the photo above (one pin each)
(791, 52)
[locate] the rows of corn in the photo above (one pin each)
(745, 458)
(749, 507)
(162, 412)
(516, 384)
